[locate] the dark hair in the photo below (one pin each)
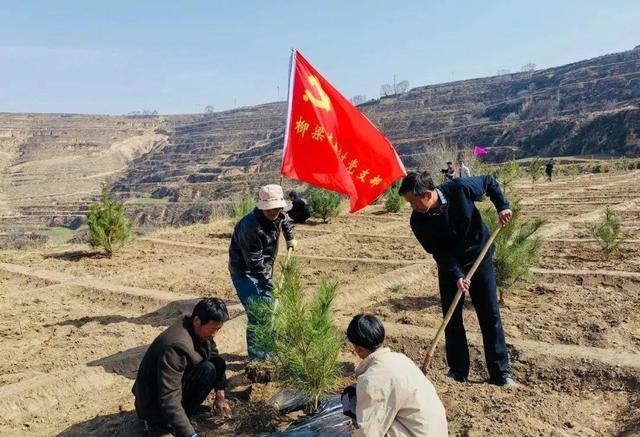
(211, 308)
(449, 163)
(293, 195)
(417, 183)
(367, 331)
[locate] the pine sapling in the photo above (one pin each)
(300, 334)
(608, 232)
(109, 226)
(517, 247)
(323, 204)
(243, 207)
(393, 200)
(536, 170)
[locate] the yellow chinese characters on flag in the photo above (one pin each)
(329, 143)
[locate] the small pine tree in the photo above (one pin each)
(517, 247)
(323, 204)
(393, 200)
(507, 174)
(243, 207)
(607, 232)
(109, 227)
(571, 170)
(536, 170)
(301, 335)
(623, 164)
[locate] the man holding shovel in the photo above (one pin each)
(448, 225)
(253, 250)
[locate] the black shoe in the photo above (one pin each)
(456, 376)
(506, 382)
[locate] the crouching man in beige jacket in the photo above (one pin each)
(393, 397)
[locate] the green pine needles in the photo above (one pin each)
(507, 174)
(323, 204)
(109, 227)
(607, 233)
(244, 207)
(517, 247)
(536, 170)
(393, 200)
(300, 333)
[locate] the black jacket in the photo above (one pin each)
(158, 386)
(254, 245)
(455, 236)
(299, 212)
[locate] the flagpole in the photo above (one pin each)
(289, 108)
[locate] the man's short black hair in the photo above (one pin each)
(211, 308)
(449, 163)
(417, 183)
(367, 331)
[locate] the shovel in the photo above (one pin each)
(429, 356)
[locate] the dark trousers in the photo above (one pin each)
(484, 297)
(198, 382)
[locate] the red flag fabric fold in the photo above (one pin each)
(329, 143)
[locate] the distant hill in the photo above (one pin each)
(588, 107)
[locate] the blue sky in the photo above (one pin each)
(115, 56)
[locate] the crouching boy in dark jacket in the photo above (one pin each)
(180, 369)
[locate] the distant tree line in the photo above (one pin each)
(145, 113)
(395, 88)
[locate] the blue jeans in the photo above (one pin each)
(247, 289)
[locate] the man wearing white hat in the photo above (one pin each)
(253, 250)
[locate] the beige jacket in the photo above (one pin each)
(395, 399)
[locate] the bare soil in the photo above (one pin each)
(75, 324)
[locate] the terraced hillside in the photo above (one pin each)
(215, 156)
(74, 325)
(51, 165)
(589, 107)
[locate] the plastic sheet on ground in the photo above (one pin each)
(327, 422)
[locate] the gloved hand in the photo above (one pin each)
(291, 244)
(348, 400)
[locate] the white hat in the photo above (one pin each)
(271, 197)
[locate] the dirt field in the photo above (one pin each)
(74, 324)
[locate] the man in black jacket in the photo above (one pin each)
(299, 211)
(253, 250)
(180, 369)
(448, 225)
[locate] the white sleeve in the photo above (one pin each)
(375, 410)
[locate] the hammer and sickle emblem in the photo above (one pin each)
(322, 101)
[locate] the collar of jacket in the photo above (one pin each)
(188, 325)
(364, 365)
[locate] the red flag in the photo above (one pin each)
(479, 151)
(331, 144)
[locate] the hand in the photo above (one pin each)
(504, 216)
(221, 406)
(463, 284)
(291, 244)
